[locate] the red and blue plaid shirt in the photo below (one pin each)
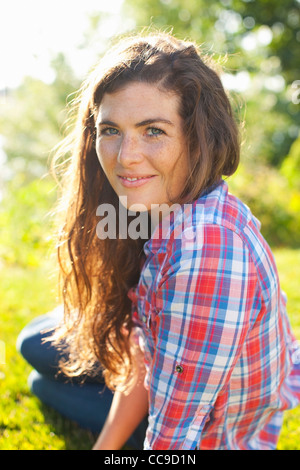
(222, 363)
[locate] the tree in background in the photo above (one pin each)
(31, 121)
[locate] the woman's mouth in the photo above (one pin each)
(134, 181)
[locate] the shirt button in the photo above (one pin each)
(179, 368)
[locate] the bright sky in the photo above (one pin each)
(33, 31)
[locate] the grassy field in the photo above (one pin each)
(27, 424)
(24, 422)
(27, 289)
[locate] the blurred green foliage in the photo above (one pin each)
(32, 121)
(255, 41)
(273, 200)
(26, 223)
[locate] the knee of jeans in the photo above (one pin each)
(21, 340)
(31, 346)
(26, 343)
(30, 338)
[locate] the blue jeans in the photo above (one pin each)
(86, 403)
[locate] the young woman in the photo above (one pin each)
(190, 325)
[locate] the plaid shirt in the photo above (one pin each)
(222, 363)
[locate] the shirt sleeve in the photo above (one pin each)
(199, 322)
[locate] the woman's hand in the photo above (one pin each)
(126, 412)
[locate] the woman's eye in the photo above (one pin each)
(154, 131)
(109, 131)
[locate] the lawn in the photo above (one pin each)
(24, 422)
(27, 289)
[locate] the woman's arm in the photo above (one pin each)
(203, 308)
(126, 412)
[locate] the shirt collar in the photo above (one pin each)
(165, 230)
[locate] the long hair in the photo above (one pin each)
(96, 274)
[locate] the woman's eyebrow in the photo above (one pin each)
(146, 122)
(106, 123)
(152, 121)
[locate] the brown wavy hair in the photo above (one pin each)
(96, 274)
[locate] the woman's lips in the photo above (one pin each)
(134, 181)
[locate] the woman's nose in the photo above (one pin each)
(130, 151)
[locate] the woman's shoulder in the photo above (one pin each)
(215, 216)
(217, 207)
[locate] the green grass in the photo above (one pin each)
(24, 422)
(27, 424)
(288, 262)
(27, 289)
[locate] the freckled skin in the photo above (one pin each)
(140, 134)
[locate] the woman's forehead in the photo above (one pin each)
(142, 100)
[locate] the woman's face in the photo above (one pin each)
(141, 145)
